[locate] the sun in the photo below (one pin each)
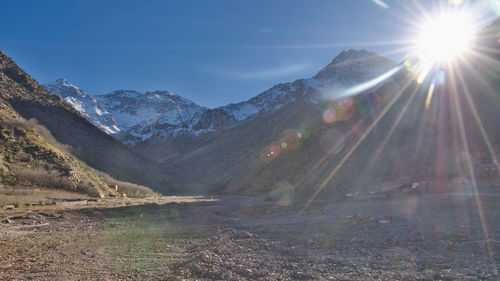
(445, 37)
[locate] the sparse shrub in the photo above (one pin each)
(50, 177)
(89, 189)
(44, 178)
(130, 189)
(42, 131)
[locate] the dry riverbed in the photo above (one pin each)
(433, 236)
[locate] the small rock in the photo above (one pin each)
(491, 244)
(6, 220)
(243, 234)
(446, 245)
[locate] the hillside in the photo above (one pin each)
(379, 139)
(324, 131)
(219, 160)
(40, 134)
(390, 139)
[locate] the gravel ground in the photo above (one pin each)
(253, 238)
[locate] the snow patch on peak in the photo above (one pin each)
(85, 104)
(63, 82)
(122, 94)
(241, 111)
(63, 87)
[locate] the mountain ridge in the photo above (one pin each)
(346, 69)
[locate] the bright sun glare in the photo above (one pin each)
(446, 37)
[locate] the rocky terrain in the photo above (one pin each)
(402, 237)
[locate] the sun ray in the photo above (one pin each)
(425, 71)
(332, 149)
(489, 61)
(369, 84)
(479, 78)
(470, 167)
(393, 128)
(429, 95)
(478, 120)
(356, 145)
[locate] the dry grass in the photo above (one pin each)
(44, 178)
(130, 189)
(41, 130)
(22, 196)
(38, 160)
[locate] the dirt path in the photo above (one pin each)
(238, 238)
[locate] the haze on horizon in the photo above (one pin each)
(212, 53)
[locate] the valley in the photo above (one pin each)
(372, 167)
(429, 236)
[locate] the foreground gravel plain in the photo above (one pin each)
(424, 237)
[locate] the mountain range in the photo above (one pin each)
(135, 117)
(361, 122)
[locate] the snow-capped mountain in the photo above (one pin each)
(134, 117)
(87, 105)
(141, 115)
(129, 115)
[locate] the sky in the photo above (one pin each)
(212, 52)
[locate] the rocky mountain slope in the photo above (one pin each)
(131, 116)
(134, 117)
(141, 115)
(208, 147)
(392, 135)
(214, 160)
(361, 124)
(41, 134)
(383, 135)
(87, 105)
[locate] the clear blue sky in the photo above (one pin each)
(213, 52)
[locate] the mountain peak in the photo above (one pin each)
(354, 65)
(62, 87)
(62, 82)
(351, 55)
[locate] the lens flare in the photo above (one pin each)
(429, 96)
(440, 77)
(424, 69)
(329, 116)
(381, 3)
(283, 193)
(290, 140)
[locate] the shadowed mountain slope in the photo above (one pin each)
(21, 95)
